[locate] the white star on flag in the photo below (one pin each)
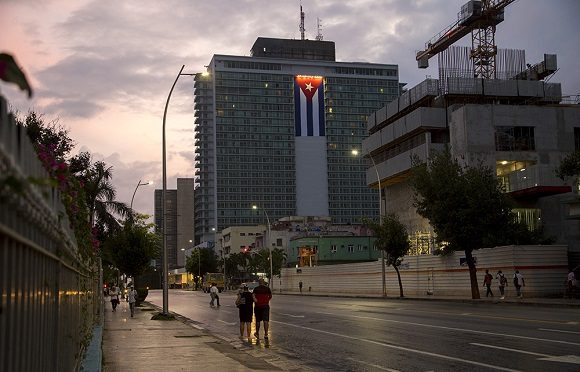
(309, 86)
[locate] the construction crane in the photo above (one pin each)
(480, 18)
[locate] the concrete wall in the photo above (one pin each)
(544, 269)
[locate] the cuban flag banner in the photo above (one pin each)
(309, 106)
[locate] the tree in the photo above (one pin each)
(278, 260)
(132, 248)
(466, 207)
(205, 260)
(569, 167)
(392, 237)
(101, 194)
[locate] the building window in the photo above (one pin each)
(242, 234)
(278, 242)
(514, 139)
(350, 248)
(360, 247)
(333, 249)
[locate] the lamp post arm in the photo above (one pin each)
(134, 192)
(163, 209)
(380, 191)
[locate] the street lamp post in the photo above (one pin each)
(163, 192)
(138, 185)
(383, 270)
(269, 246)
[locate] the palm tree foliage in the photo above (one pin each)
(100, 196)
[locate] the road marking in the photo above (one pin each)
(574, 359)
(407, 349)
(509, 349)
(558, 330)
(458, 329)
(476, 315)
(228, 323)
(374, 365)
(293, 316)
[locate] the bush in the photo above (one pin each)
(141, 295)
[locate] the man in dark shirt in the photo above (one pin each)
(262, 296)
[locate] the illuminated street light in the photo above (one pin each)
(355, 153)
(163, 201)
(255, 207)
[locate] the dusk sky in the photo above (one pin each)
(104, 68)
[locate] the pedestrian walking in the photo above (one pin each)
(262, 296)
(519, 283)
(114, 297)
(487, 283)
(132, 298)
(571, 284)
(245, 304)
(502, 280)
(214, 294)
(300, 286)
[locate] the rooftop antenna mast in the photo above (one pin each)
(319, 36)
(302, 29)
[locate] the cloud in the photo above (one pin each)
(106, 67)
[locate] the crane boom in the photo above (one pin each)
(480, 18)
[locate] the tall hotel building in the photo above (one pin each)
(276, 130)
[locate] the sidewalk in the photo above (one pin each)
(142, 344)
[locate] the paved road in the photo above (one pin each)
(350, 334)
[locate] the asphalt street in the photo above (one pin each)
(353, 334)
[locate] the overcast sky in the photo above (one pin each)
(104, 68)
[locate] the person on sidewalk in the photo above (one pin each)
(114, 297)
(132, 298)
(487, 283)
(262, 296)
(571, 284)
(519, 283)
(214, 294)
(502, 280)
(245, 304)
(300, 286)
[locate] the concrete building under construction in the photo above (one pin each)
(515, 123)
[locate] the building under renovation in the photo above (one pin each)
(507, 118)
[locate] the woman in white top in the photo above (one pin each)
(114, 293)
(132, 295)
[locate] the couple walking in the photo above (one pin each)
(245, 303)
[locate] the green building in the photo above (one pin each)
(331, 249)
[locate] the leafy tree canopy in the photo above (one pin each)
(570, 166)
(133, 247)
(465, 205)
(391, 237)
(202, 260)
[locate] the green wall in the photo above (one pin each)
(362, 249)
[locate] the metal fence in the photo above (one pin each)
(49, 298)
